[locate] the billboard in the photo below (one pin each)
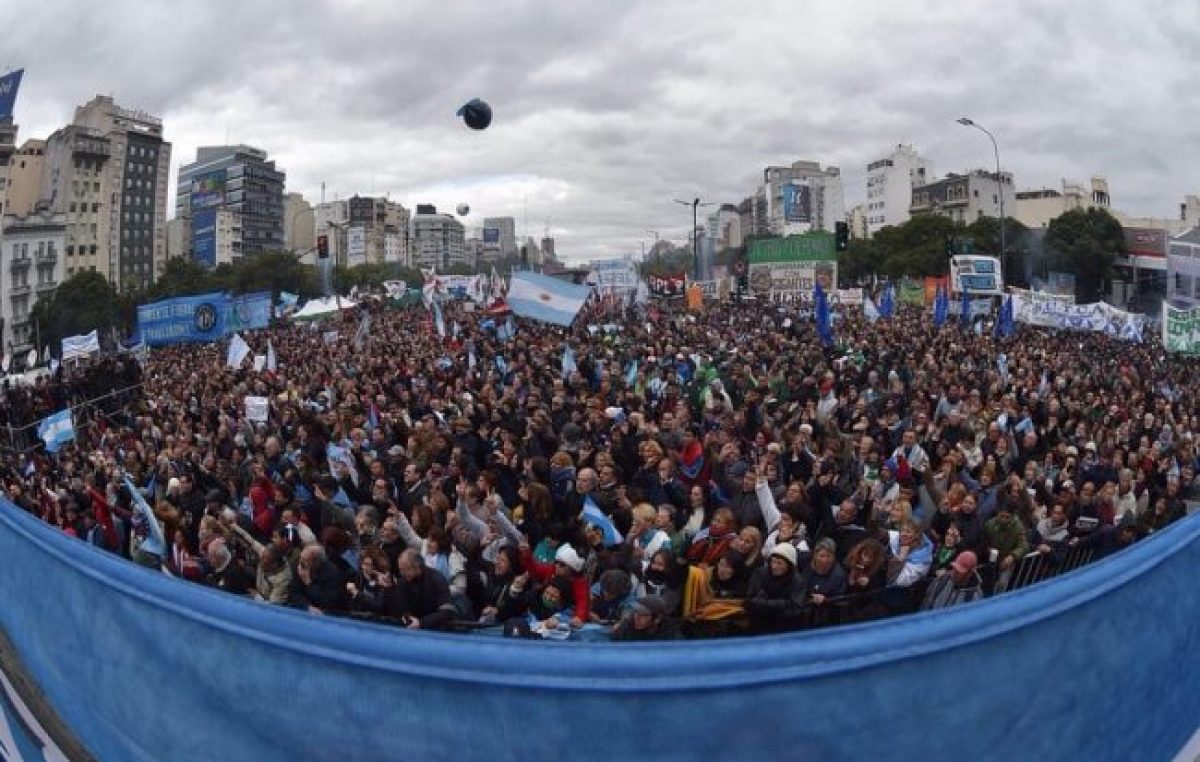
(797, 203)
(786, 269)
(613, 275)
(491, 235)
(208, 190)
(1183, 272)
(1146, 242)
(9, 84)
(204, 237)
(356, 245)
(667, 285)
(976, 275)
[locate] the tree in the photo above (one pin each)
(180, 277)
(81, 303)
(1086, 243)
(915, 248)
(985, 232)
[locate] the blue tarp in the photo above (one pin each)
(1099, 664)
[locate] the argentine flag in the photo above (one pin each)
(541, 297)
(594, 516)
(56, 430)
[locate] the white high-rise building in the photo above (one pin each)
(890, 181)
(802, 198)
(437, 240)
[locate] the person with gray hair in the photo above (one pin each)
(316, 583)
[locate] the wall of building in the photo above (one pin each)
(24, 187)
(31, 267)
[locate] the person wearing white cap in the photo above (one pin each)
(775, 593)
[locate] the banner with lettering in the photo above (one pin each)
(1181, 329)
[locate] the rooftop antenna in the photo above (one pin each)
(322, 191)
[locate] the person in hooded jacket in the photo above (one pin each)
(775, 594)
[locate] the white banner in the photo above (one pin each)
(257, 409)
(613, 275)
(75, 347)
(1047, 311)
(848, 297)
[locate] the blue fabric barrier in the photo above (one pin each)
(1099, 664)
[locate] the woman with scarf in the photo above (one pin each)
(663, 578)
(713, 597)
(711, 543)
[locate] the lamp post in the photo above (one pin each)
(695, 205)
(965, 122)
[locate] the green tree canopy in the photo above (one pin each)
(81, 303)
(1086, 243)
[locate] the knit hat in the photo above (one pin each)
(786, 551)
(826, 543)
(567, 555)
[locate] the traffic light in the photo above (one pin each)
(322, 247)
(841, 234)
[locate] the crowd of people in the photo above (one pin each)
(647, 475)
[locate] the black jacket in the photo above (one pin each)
(326, 591)
(426, 599)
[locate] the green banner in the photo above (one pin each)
(1181, 329)
(912, 293)
(809, 247)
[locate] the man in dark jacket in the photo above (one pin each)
(648, 620)
(317, 584)
(421, 598)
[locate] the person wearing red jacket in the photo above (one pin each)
(262, 502)
(568, 565)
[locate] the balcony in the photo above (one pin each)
(46, 287)
(16, 289)
(19, 264)
(46, 257)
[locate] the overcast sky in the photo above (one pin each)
(605, 111)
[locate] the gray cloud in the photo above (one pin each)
(606, 111)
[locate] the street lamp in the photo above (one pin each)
(965, 122)
(695, 205)
(654, 250)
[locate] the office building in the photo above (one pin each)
(499, 238)
(802, 197)
(240, 179)
(437, 240)
(378, 231)
(300, 224)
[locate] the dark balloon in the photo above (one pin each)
(477, 114)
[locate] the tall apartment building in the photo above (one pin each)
(965, 198)
(890, 181)
(241, 180)
(378, 231)
(25, 178)
(134, 185)
(299, 224)
(76, 182)
(499, 238)
(814, 200)
(32, 257)
(437, 240)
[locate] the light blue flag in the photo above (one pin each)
(155, 542)
(631, 373)
(56, 430)
(870, 312)
(594, 516)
